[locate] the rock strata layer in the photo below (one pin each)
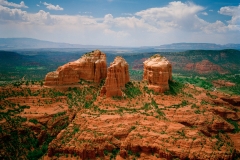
(157, 71)
(117, 77)
(204, 67)
(91, 66)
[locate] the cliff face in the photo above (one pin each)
(91, 66)
(117, 77)
(157, 71)
(204, 67)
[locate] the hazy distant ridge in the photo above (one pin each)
(203, 46)
(29, 43)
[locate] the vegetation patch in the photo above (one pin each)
(235, 124)
(35, 121)
(131, 90)
(174, 88)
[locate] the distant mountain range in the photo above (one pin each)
(199, 46)
(29, 43)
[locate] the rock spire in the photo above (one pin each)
(117, 77)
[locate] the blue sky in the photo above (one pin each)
(122, 22)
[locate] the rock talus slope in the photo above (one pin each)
(157, 71)
(91, 66)
(117, 77)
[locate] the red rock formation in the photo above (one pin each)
(91, 66)
(220, 83)
(204, 67)
(135, 133)
(157, 71)
(117, 77)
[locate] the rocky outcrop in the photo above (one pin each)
(157, 71)
(134, 134)
(235, 100)
(204, 67)
(117, 77)
(91, 66)
(221, 83)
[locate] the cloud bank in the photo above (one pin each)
(175, 22)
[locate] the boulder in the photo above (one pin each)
(91, 66)
(117, 77)
(157, 71)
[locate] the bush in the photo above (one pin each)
(235, 124)
(35, 154)
(174, 88)
(35, 121)
(131, 91)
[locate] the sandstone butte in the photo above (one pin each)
(157, 71)
(117, 77)
(91, 66)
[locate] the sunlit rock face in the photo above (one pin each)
(157, 71)
(91, 66)
(117, 77)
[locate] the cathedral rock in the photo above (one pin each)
(117, 77)
(91, 66)
(157, 71)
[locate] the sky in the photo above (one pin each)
(122, 22)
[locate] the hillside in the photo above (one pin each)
(74, 121)
(31, 65)
(199, 46)
(225, 61)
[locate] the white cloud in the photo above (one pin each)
(13, 14)
(11, 4)
(175, 15)
(234, 12)
(176, 10)
(38, 5)
(17, 15)
(52, 7)
(175, 22)
(204, 13)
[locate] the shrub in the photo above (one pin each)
(174, 88)
(35, 121)
(131, 91)
(161, 113)
(235, 124)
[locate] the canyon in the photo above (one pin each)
(117, 118)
